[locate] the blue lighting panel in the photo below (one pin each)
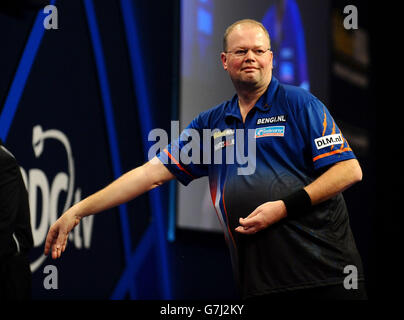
(205, 23)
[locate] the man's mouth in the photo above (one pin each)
(248, 69)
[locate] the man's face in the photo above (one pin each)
(250, 70)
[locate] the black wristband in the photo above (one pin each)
(297, 203)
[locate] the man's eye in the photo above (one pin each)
(259, 51)
(241, 52)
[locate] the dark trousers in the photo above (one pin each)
(15, 278)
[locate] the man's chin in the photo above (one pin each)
(249, 83)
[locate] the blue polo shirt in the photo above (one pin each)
(287, 140)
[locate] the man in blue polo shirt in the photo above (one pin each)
(282, 211)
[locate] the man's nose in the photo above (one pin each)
(250, 56)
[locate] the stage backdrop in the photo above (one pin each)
(76, 112)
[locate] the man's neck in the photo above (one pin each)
(247, 99)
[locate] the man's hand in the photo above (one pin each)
(127, 187)
(58, 233)
(262, 217)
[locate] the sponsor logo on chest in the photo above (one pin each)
(271, 131)
(271, 120)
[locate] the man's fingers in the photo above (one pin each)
(56, 240)
(262, 217)
(248, 221)
(251, 230)
(251, 224)
(251, 220)
(50, 239)
(58, 246)
(254, 213)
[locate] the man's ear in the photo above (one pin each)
(223, 57)
(272, 59)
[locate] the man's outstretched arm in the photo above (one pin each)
(127, 187)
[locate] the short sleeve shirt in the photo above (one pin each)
(286, 141)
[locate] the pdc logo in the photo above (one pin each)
(44, 195)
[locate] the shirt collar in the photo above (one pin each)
(263, 103)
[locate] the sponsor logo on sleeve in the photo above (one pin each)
(226, 132)
(329, 140)
(222, 144)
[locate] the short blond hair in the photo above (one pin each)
(243, 21)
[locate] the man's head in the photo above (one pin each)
(244, 21)
(246, 54)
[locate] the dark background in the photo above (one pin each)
(62, 92)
